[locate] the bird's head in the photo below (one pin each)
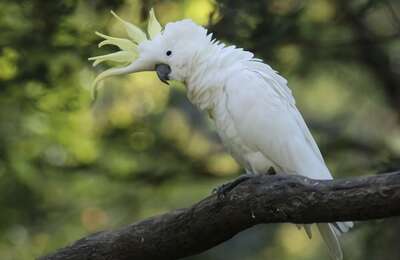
(169, 51)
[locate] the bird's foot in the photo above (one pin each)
(225, 188)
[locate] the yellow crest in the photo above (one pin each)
(128, 46)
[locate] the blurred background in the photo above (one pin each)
(69, 168)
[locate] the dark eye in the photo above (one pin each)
(168, 53)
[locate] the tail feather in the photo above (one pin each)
(330, 237)
(342, 227)
(307, 228)
(330, 233)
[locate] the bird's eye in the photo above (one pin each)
(168, 53)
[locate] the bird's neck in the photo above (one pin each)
(210, 69)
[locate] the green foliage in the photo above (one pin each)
(69, 167)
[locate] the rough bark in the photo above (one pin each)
(262, 199)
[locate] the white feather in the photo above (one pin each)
(266, 120)
(269, 123)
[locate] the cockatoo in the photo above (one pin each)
(250, 103)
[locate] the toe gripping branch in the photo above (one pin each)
(225, 188)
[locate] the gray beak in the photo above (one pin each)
(163, 71)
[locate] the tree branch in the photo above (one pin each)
(262, 199)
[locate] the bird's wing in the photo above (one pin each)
(280, 87)
(267, 120)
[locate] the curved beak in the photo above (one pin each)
(163, 71)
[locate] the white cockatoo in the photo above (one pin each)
(251, 105)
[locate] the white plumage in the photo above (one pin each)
(252, 107)
(257, 119)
